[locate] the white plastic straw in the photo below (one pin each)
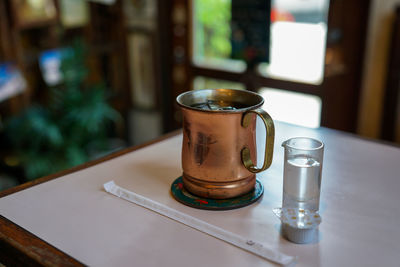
(254, 247)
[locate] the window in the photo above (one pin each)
(297, 51)
(298, 40)
(316, 51)
(291, 107)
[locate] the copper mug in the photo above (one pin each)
(219, 141)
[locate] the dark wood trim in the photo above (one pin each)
(18, 247)
(392, 100)
(164, 67)
(346, 39)
(256, 80)
(216, 73)
(6, 51)
(179, 22)
(311, 89)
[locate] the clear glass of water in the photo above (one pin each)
(302, 173)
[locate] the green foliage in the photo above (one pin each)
(212, 28)
(52, 137)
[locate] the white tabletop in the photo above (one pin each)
(359, 207)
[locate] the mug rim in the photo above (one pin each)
(238, 110)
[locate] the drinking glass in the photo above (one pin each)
(302, 173)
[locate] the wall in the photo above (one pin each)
(376, 60)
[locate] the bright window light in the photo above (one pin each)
(296, 108)
(297, 52)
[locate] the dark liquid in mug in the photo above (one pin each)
(218, 105)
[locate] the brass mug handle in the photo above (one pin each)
(269, 142)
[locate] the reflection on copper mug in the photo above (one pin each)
(219, 142)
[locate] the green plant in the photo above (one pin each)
(51, 137)
(212, 28)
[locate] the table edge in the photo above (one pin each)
(21, 247)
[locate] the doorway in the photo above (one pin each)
(313, 76)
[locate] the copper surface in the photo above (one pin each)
(211, 150)
(219, 190)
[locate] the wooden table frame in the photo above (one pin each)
(20, 247)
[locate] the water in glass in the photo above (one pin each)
(301, 187)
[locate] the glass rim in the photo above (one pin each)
(320, 146)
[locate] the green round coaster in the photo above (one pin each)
(185, 197)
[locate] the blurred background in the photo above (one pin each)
(80, 79)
